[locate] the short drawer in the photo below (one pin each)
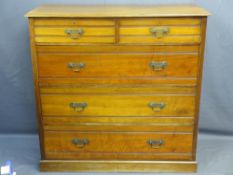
(118, 65)
(118, 105)
(82, 144)
(74, 35)
(160, 31)
(74, 31)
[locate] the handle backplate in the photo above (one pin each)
(156, 107)
(159, 32)
(80, 143)
(74, 33)
(76, 67)
(158, 65)
(155, 143)
(78, 107)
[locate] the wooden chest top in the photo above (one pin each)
(117, 11)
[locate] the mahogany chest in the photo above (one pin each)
(118, 87)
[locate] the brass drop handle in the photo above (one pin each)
(158, 65)
(76, 67)
(155, 143)
(74, 33)
(80, 143)
(156, 107)
(159, 32)
(78, 107)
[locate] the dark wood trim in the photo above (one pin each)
(36, 85)
(199, 83)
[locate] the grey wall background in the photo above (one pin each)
(17, 107)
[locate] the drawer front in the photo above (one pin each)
(118, 105)
(117, 65)
(74, 31)
(126, 124)
(120, 143)
(160, 31)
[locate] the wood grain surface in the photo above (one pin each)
(117, 65)
(118, 166)
(118, 84)
(123, 124)
(116, 142)
(108, 11)
(118, 105)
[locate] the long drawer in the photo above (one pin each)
(126, 145)
(111, 123)
(118, 105)
(117, 65)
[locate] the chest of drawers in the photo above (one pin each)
(117, 87)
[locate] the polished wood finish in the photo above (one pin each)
(198, 96)
(172, 21)
(126, 124)
(132, 120)
(117, 65)
(36, 85)
(118, 81)
(173, 30)
(116, 142)
(118, 105)
(73, 22)
(118, 156)
(136, 69)
(123, 31)
(120, 89)
(194, 49)
(108, 11)
(118, 166)
(176, 39)
(66, 39)
(88, 31)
